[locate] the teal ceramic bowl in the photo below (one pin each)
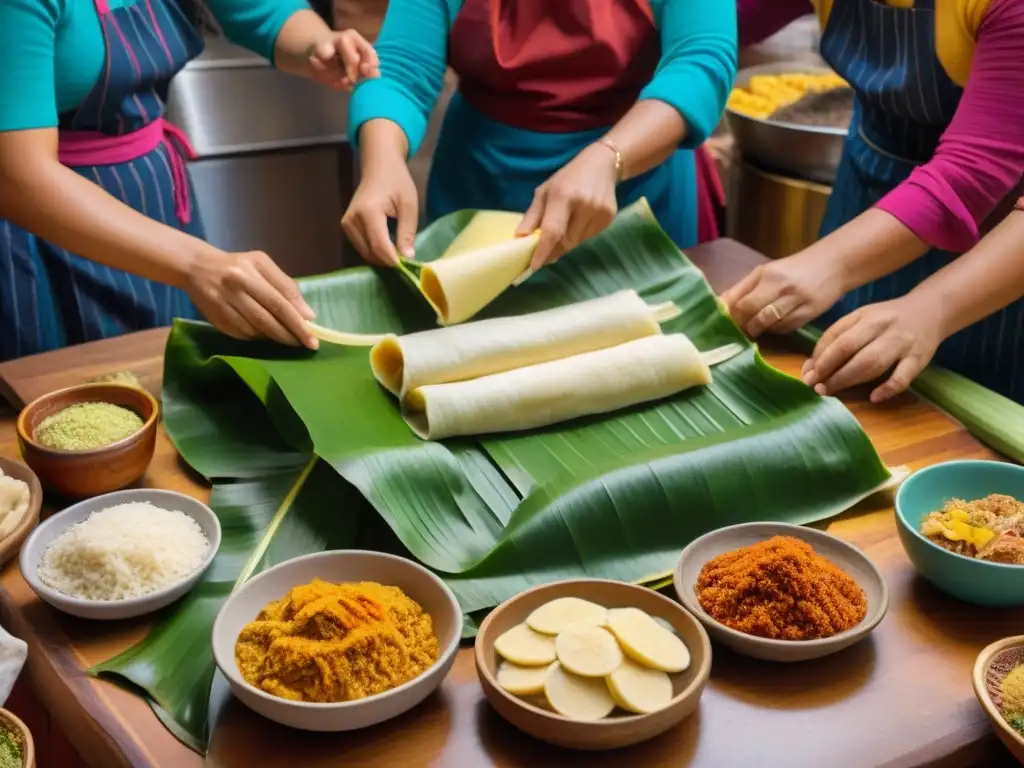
(973, 581)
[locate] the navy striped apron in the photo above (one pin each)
(905, 101)
(49, 297)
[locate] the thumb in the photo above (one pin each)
(408, 216)
(532, 217)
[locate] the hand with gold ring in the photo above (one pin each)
(783, 295)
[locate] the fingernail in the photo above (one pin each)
(810, 379)
(409, 253)
(820, 389)
(314, 342)
(522, 278)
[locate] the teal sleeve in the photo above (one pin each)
(254, 24)
(698, 62)
(412, 48)
(27, 45)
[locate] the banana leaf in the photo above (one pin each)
(306, 452)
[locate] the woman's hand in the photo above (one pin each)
(386, 190)
(247, 296)
(343, 59)
(901, 335)
(576, 203)
(785, 294)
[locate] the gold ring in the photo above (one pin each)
(775, 311)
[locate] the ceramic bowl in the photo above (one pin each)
(28, 747)
(846, 556)
(339, 566)
(10, 545)
(36, 544)
(616, 730)
(80, 474)
(993, 663)
(973, 581)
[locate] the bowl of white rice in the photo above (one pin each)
(121, 555)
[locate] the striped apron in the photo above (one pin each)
(905, 101)
(116, 138)
(481, 162)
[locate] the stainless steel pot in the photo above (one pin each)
(807, 152)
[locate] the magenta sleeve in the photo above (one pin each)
(980, 158)
(760, 19)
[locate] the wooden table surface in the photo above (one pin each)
(901, 698)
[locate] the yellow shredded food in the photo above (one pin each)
(766, 94)
(328, 642)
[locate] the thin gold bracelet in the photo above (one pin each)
(620, 166)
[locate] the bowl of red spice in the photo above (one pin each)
(781, 592)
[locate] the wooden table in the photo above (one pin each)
(902, 698)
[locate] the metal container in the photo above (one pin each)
(274, 171)
(772, 214)
(804, 152)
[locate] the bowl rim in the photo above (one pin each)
(865, 627)
(53, 596)
(981, 664)
(901, 522)
(698, 682)
(28, 741)
(13, 541)
(230, 671)
(148, 424)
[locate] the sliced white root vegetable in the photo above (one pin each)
(647, 642)
(522, 646)
(579, 698)
(521, 681)
(639, 689)
(561, 613)
(665, 312)
(588, 651)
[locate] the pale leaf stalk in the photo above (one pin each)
(275, 523)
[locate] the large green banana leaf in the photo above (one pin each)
(307, 452)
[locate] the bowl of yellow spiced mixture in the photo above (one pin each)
(339, 640)
(91, 439)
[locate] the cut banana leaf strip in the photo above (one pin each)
(995, 420)
(616, 496)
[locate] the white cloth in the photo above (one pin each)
(13, 653)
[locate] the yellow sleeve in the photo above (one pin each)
(957, 23)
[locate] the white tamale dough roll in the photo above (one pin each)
(596, 382)
(459, 352)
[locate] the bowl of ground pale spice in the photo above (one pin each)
(781, 592)
(91, 439)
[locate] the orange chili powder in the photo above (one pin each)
(780, 589)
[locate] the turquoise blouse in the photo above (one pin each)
(51, 51)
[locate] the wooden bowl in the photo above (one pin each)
(848, 557)
(614, 731)
(988, 676)
(9, 546)
(79, 474)
(28, 747)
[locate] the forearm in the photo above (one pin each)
(647, 135)
(873, 245)
(62, 207)
(981, 282)
(381, 143)
(295, 43)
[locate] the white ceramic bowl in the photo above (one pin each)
(845, 555)
(339, 566)
(36, 544)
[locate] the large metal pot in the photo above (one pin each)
(807, 152)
